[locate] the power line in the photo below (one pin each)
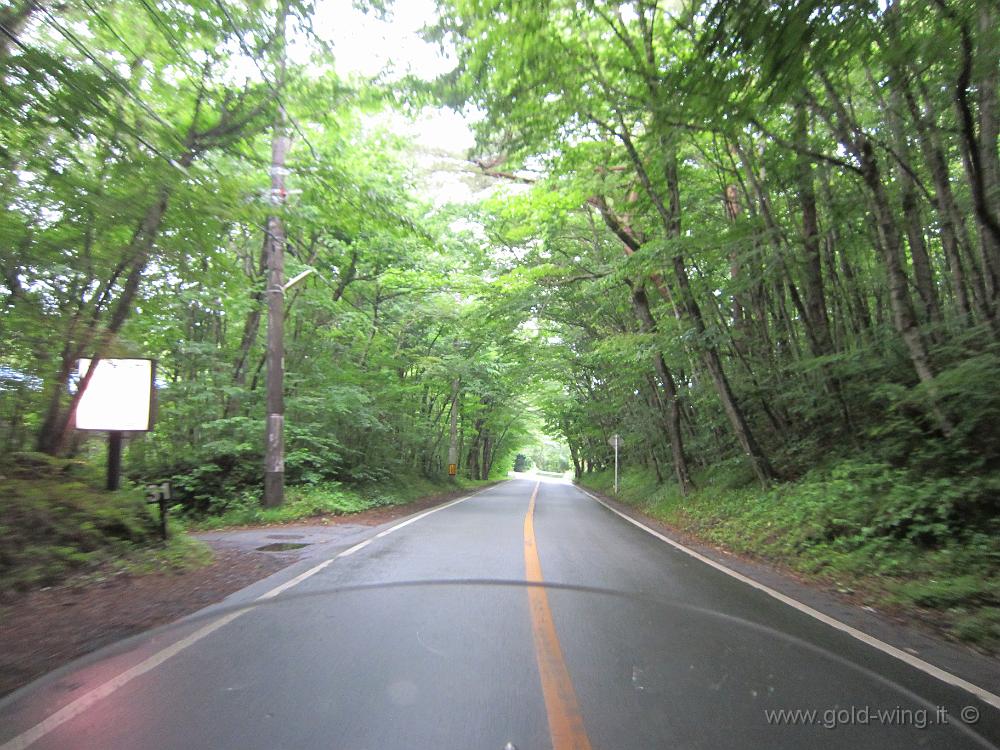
(263, 74)
(130, 129)
(174, 43)
(100, 107)
(110, 74)
(110, 28)
(128, 92)
(277, 95)
(182, 51)
(10, 35)
(113, 77)
(267, 82)
(168, 33)
(314, 173)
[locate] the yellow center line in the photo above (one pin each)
(565, 722)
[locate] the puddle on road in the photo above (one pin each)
(281, 547)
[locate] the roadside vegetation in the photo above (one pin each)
(850, 525)
(58, 521)
(330, 499)
(135, 172)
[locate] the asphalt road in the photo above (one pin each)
(527, 616)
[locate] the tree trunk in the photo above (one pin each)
(815, 296)
(251, 330)
(889, 241)
(670, 220)
(57, 424)
(741, 328)
(952, 230)
(486, 462)
(472, 459)
(979, 155)
(903, 315)
(913, 223)
(641, 303)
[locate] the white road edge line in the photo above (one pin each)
(982, 693)
(85, 701)
(351, 550)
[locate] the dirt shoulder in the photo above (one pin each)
(44, 629)
(47, 628)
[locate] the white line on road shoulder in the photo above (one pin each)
(351, 550)
(982, 693)
(85, 701)
(105, 689)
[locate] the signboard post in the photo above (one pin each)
(452, 470)
(118, 398)
(616, 443)
(114, 459)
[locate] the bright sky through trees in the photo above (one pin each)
(389, 49)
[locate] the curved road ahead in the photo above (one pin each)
(549, 622)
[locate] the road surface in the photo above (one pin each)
(527, 616)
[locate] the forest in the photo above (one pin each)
(759, 241)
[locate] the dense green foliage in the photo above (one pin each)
(57, 520)
(135, 181)
(767, 232)
(767, 245)
(309, 501)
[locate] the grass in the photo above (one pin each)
(331, 498)
(57, 520)
(886, 535)
(181, 552)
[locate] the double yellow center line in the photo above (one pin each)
(565, 721)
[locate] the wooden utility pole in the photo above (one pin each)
(274, 438)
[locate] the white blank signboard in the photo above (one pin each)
(118, 396)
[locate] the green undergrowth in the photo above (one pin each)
(325, 499)
(892, 537)
(56, 520)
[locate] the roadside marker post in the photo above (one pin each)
(160, 494)
(616, 443)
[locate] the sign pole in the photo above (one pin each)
(616, 443)
(616, 467)
(114, 459)
(453, 430)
